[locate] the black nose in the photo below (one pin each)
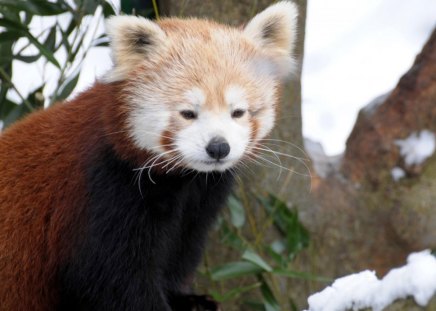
(218, 148)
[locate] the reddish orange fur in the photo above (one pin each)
(64, 137)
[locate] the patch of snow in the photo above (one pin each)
(397, 173)
(364, 290)
(1, 125)
(416, 148)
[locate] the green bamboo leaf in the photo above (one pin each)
(254, 258)
(231, 238)
(234, 270)
(8, 36)
(275, 251)
(43, 50)
(79, 45)
(36, 7)
(17, 112)
(269, 300)
(27, 18)
(68, 86)
(234, 293)
(108, 9)
(27, 58)
(102, 40)
(237, 213)
(64, 41)
(10, 24)
(6, 107)
(87, 6)
(287, 222)
(300, 275)
(50, 40)
(12, 112)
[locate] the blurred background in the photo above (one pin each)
(299, 223)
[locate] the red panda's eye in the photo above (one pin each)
(188, 114)
(238, 113)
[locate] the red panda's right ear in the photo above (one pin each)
(132, 40)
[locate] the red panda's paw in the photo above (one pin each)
(196, 303)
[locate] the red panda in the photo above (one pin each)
(105, 200)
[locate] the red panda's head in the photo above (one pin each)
(201, 94)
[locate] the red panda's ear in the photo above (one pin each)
(133, 40)
(274, 30)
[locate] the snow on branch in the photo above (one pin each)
(364, 290)
(416, 148)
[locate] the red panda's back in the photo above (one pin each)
(41, 194)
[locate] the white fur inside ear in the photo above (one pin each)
(274, 30)
(133, 40)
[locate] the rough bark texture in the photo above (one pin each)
(363, 219)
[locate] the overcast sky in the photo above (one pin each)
(356, 51)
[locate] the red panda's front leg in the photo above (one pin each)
(194, 303)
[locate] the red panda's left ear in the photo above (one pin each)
(133, 40)
(274, 30)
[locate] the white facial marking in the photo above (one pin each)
(195, 97)
(148, 119)
(193, 140)
(236, 98)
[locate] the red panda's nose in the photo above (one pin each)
(218, 148)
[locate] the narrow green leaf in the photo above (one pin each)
(12, 25)
(8, 36)
(68, 86)
(234, 293)
(234, 270)
(287, 222)
(275, 251)
(64, 41)
(27, 18)
(35, 7)
(27, 58)
(88, 6)
(300, 275)
(237, 213)
(12, 112)
(254, 258)
(269, 300)
(230, 237)
(44, 51)
(50, 40)
(102, 40)
(79, 45)
(108, 9)
(6, 107)
(9, 24)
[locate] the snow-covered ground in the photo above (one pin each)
(364, 290)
